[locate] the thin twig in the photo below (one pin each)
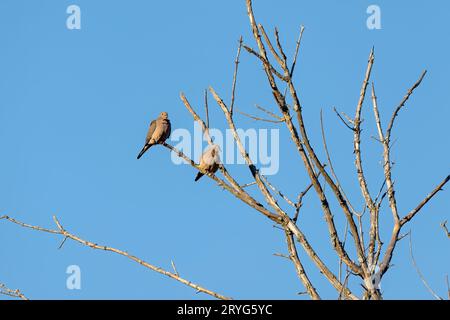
(343, 244)
(448, 287)
(269, 43)
(422, 278)
(347, 275)
(294, 62)
(266, 62)
(280, 255)
(297, 47)
(236, 64)
(258, 118)
(343, 120)
(206, 109)
(325, 145)
(248, 184)
(269, 113)
(174, 267)
(402, 104)
(299, 203)
(62, 243)
(204, 126)
(280, 49)
(444, 226)
(266, 181)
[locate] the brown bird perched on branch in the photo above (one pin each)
(158, 132)
(209, 161)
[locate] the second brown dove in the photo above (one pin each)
(209, 161)
(158, 132)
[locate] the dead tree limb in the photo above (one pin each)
(4, 290)
(63, 232)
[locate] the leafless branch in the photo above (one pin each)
(266, 181)
(422, 278)
(269, 113)
(248, 184)
(61, 231)
(265, 62)
(206, 109)
(234, 186)
(174, 267)
(237, 192)
(273, 203)
(269, 44)
(299, 267)
(370, 204)
(347, 275)
(386, 139)
(204, 126)
(236, 64)
(258, 118)
(289, 224)
(358, 161)
(444, 226)
(351, 127)
(297, 48)
(448, 287)
(280, 100)
(280, 255)
(416, 210)
(399, 224)
(4, 290)
(402, 104)
(299, 203)
(325, 145)
(280, 49)
(340, 260)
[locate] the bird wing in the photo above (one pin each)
(207, 160)
(151, 129)
(162, 131)
(169, 129)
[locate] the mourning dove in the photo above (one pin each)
(209, 161)
(158, 132)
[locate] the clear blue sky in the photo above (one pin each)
(74, 110)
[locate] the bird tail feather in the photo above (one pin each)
(199, 175)
(144, 149)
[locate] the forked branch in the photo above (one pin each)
(66, 234)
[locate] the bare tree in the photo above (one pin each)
(368, 262)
